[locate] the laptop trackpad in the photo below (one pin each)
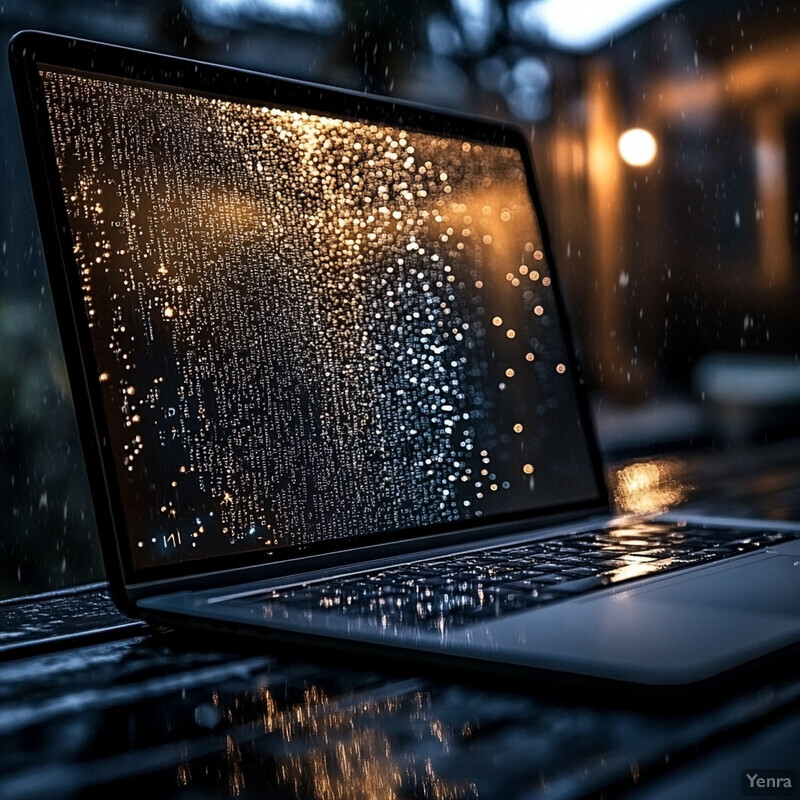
(769, 585)
(681, 629)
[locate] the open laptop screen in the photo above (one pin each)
(310, 329)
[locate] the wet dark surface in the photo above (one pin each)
(148, 715)
(161, 715)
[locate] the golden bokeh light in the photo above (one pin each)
(637, 147)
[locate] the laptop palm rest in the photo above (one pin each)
(676, 630)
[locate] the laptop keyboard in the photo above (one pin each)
(468, 587)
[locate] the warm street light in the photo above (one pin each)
(637, 147)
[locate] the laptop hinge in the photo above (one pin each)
(335, 561)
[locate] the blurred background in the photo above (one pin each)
(667, 140)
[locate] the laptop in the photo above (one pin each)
(327, 390)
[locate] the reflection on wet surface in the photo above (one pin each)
(756, 483)
(649, 487)
(330, 747)
(159, 720)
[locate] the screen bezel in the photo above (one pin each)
(30, 51)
